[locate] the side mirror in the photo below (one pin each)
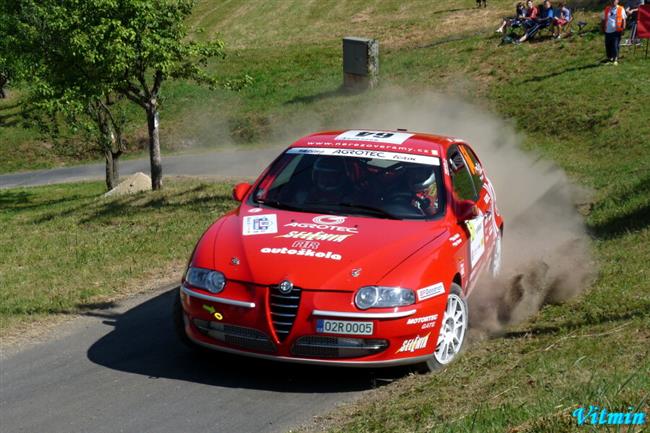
(466, 210)
(240, 190)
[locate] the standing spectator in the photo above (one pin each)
(562, 19)
(520, 15)
(478, 3)
(632, 11)
(543, 20)
(614, 18)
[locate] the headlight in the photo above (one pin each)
(212, 281)
(383, 297)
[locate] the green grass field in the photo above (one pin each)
(66, 248)
(591, 120)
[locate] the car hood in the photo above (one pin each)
(267, 246)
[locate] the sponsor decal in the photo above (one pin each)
(375, 136)
(210, 309)
(329, 219)
(260, 224)
(315, 236)
(367, 153)
(255, 210)
(455, 240)
(414, 344)
(601, 416)
(322, 227)
(421, 320)
(477, 239)
(461, 268)
(302, 252)
(431, 291)
(306, 244)
(371, 145)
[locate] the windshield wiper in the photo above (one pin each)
(277, 204)
(375, 210)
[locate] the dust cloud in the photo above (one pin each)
(546, 255)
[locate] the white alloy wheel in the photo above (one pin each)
(452, 330)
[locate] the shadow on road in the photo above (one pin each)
(143, 342)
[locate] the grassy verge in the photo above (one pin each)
(66, 248)
(592, 120)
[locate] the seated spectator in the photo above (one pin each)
(560, 21)
(516, 21)
(543, 19)
(632, 11)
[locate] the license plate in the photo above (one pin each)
(344, 327)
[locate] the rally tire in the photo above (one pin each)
(453, 332)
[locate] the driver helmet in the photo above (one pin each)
(420, 177)
(329, 173)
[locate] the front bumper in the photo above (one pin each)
(248, 326)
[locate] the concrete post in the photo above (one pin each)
(360, 63)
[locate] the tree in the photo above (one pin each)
(127, 47)
(43, 47)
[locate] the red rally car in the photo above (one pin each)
(353, 248)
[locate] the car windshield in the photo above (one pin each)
(354, 182)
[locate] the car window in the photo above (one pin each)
(461, 179)
(474, 167)
(346, 182)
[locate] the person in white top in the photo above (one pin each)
(614, 23)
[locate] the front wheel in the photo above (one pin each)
(452, 331)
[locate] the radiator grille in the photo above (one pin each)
(284, 309)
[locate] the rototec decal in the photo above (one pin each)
(414, 344)
(259, 224)
(302, 252)
(431, 291)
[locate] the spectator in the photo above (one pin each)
(563, 18)
(520, 15)
(543, 20)
(614, 18)
(632, 11)
(478, 3)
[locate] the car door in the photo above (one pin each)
(467, 186)
(486, 201)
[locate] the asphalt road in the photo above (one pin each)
(121, 369)
(223, 164)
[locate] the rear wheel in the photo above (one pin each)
(452, 331)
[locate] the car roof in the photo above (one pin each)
(389, 140)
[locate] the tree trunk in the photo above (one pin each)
(112, 168)
(3, 83)
(111, 182)
(154, 144)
